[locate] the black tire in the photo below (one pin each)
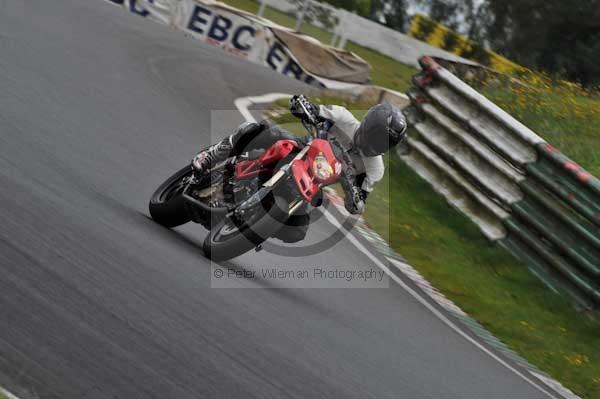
(167, 205)
(241, 239)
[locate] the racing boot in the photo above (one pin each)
(208, 158)
(228, 147)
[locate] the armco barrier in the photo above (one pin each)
(522, 192)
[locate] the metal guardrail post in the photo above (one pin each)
(261, 9)
(301, 15)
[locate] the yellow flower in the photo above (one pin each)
(576, 360)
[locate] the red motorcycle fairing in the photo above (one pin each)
(278, 151)
(306, 171)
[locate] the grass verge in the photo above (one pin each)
(569, 118)
(485, 281)
(385, 71)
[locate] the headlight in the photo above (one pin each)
(321, 167)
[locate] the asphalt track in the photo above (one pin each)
(97, 107)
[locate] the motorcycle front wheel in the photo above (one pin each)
(167, 205)
(228, 239)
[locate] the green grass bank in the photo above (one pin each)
(485, 281)
(567, 117)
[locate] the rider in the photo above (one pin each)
(382, 127)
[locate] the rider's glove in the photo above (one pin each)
(354, 201)
(299, 112)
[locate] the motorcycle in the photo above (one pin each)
(246, 199)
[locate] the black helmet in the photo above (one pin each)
(383, 126)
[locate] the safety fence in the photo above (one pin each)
(257, 40)
(347, 26)
(521, 191)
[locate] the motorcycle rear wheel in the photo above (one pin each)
(167, 205)
(226, 240)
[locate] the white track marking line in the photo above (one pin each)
(242, 105)
(428, 305)
(7, 394)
